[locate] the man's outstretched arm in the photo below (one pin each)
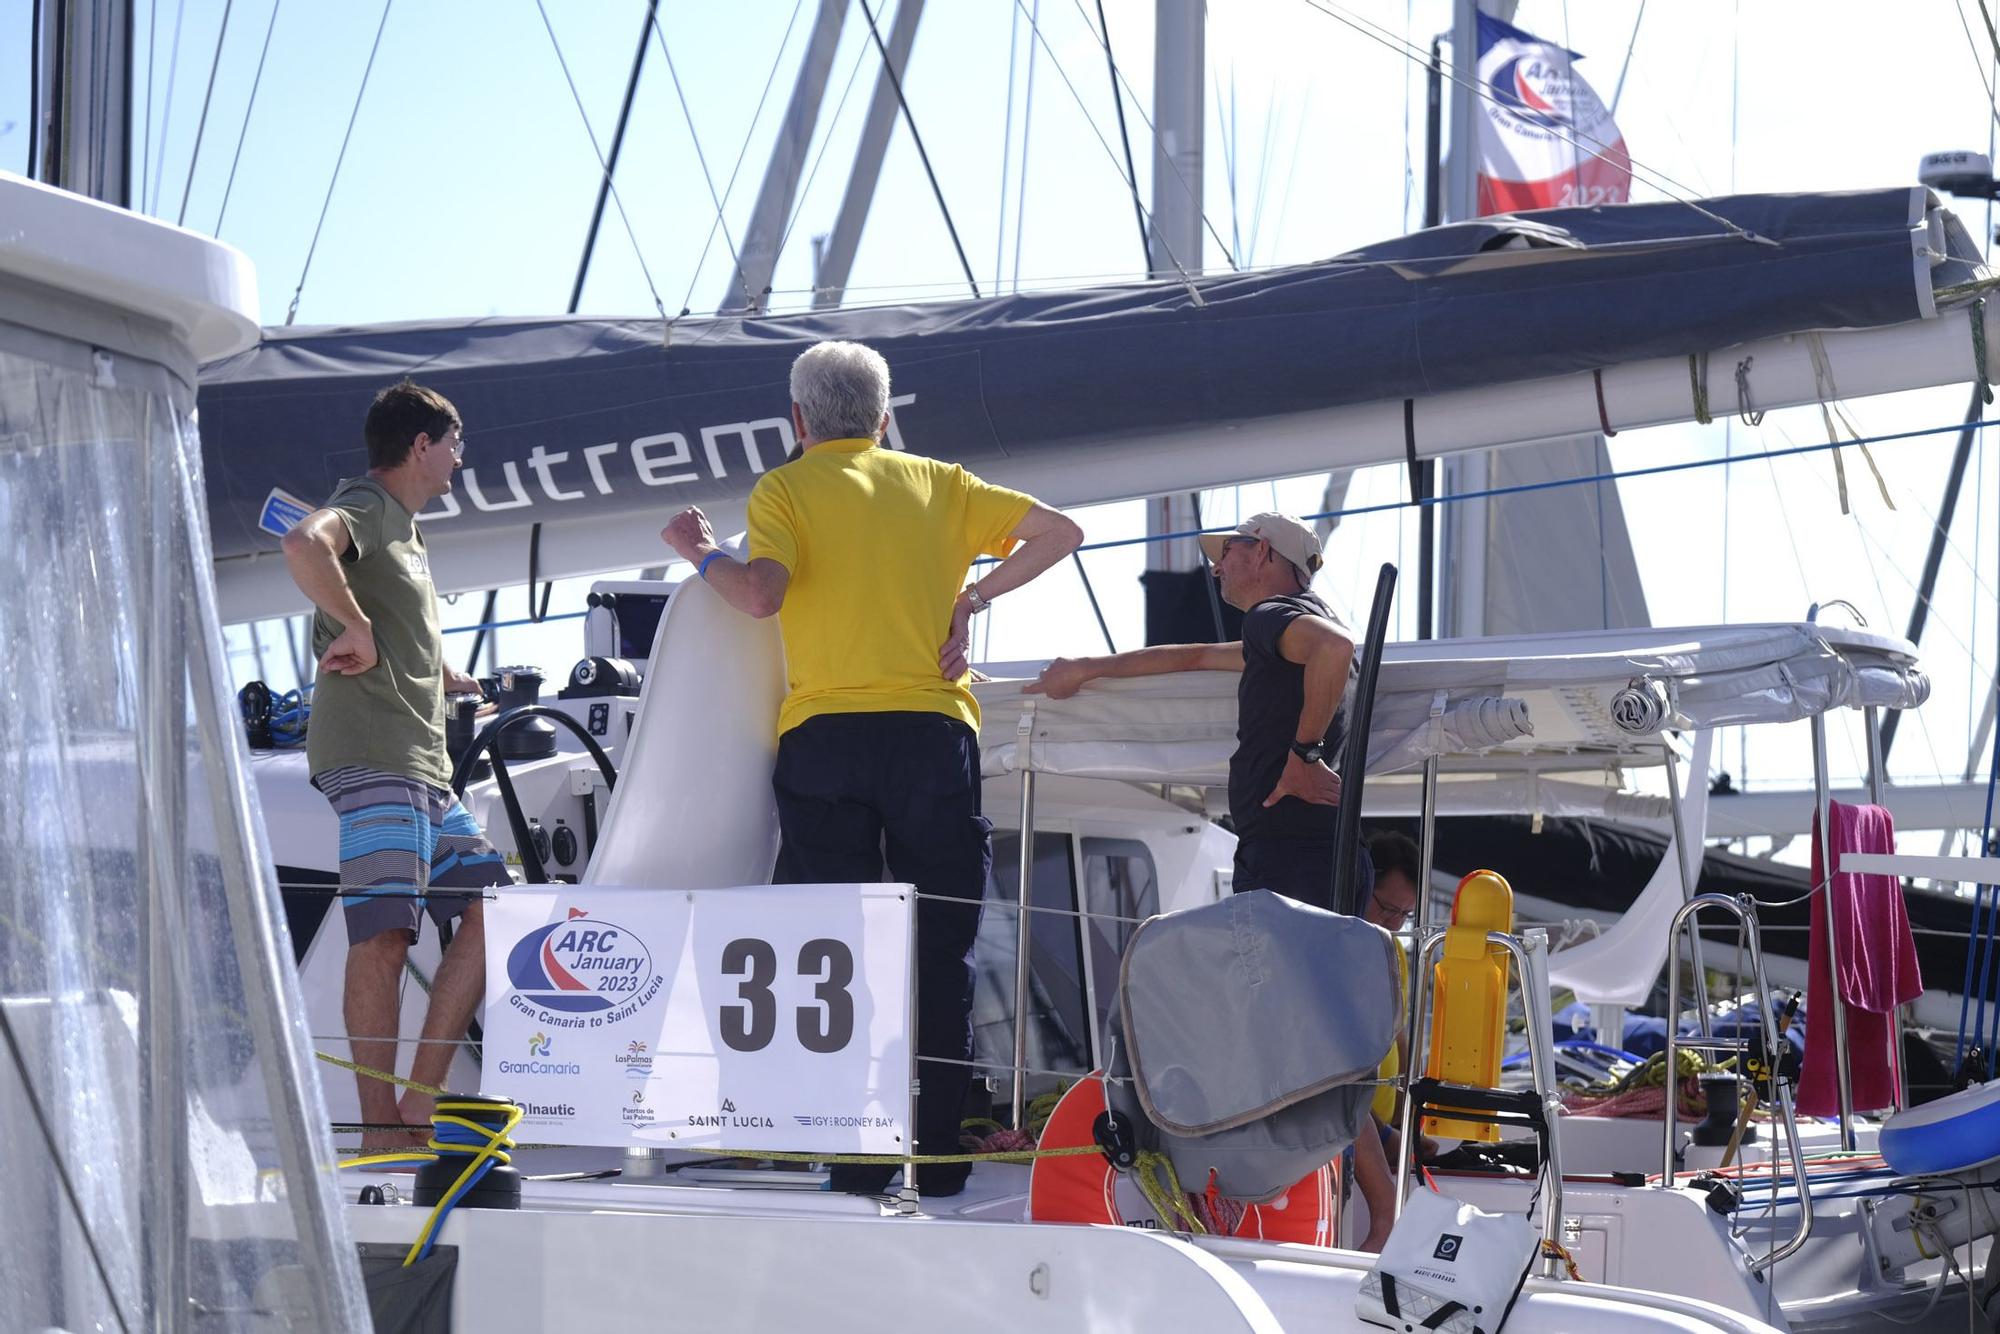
(1065, 676)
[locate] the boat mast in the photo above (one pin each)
(81, 129)
(750, 281)
(1461, 582)
(1176, 609)
(834, 259)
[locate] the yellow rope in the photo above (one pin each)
(370, 1072)
(1161, 1186)
(495, 1148)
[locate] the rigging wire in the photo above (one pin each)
(201, 126)
(1125, 137)
(1659, 180)
(1979, 63)
(1172, 258)
(34, 167)
(256, 82)
(744, 151)
(352, 116)
(152, 65)
(1027, 124)
(1207, 224)
(687, 114)
(1006, 147)
(166, 107)
(1263, 185)
(1291, 174)
(611, 168)
(603, 166)
(937, 191)
(1227, 118)
(826, 141)
(1631, 45)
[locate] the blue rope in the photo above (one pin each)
(525, 620)
(1524, 488)
(1590, 479)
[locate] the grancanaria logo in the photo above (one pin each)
(579, 964)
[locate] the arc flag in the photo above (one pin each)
(1545, 138)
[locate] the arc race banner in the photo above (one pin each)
(764, 1017)
(1545, 138)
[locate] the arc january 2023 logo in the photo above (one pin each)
(581, 972)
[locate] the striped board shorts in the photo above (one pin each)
(400, 841)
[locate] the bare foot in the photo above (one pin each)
(393, 1141)
(415, 1109)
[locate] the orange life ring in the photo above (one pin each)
(1086, 1188)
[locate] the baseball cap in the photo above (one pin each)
(1287, 536)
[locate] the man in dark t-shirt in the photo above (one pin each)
(1292, 704)
(1292, 711)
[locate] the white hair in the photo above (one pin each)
(842, 390)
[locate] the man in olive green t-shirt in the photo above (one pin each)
(375, 745)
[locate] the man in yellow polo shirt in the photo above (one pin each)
(862, 552)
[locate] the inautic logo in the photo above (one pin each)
(580, 965)
(1447, 1247)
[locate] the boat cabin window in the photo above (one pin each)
(1058, 1029)
(1119, 882)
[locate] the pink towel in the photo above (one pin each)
(1878, 968)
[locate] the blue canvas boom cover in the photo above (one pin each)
(589, 418)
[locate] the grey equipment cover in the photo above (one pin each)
(1254, 1027)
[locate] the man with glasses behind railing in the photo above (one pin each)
(1292, 702)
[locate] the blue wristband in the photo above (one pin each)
(708, 560)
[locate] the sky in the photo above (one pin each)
(467, 184)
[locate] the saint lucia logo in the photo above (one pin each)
(579, 965)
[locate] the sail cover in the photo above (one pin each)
(576, 421)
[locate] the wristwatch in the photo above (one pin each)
(1312, 752)
(979, 603)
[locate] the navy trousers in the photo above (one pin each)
(1299, 868)
(853, 788)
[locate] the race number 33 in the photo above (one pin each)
(826, 1025)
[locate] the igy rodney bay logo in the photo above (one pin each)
(581, 966)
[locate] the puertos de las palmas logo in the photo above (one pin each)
(581, 971)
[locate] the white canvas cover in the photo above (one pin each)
(1505, 705)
